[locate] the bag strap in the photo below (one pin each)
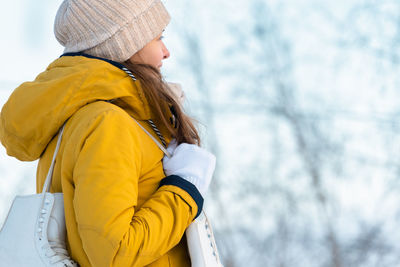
(163, 149)
(47, 183)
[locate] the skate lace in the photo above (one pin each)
(57, 253)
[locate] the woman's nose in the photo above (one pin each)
(165, 52)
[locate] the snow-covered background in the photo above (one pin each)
(298, 99)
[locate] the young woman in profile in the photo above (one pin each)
(126, 204)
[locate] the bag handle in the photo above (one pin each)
(47, 183)
(163, 149)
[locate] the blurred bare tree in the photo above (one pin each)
(279, 206)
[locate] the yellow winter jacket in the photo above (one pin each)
(108, 168)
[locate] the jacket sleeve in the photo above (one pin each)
(106, 178)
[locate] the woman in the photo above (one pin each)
(120, 207)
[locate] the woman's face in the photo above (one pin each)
(152, 53)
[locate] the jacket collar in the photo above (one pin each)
(81, 54)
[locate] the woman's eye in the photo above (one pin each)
(161, 37)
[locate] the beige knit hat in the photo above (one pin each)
(112, 29)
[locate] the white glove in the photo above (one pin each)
(192, 163)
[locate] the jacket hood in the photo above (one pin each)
(36, 110)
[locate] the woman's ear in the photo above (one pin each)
(135, 58)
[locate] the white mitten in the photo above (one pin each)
(192, 163)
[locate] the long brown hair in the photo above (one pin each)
(160, 97)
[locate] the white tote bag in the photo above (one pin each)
(33, 234)
(200, 238)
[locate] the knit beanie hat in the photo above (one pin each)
(112, 29)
